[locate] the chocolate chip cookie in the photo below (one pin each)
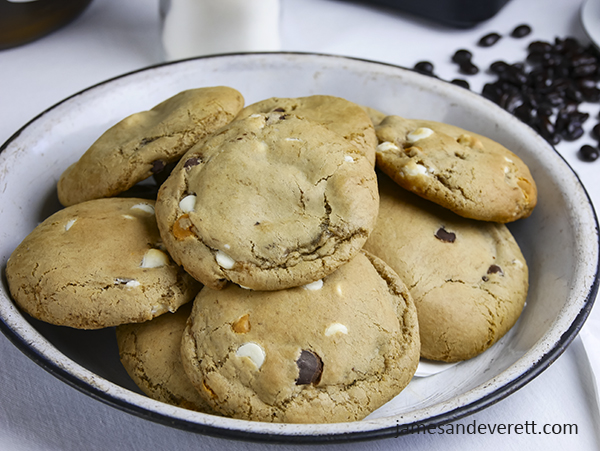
(97, 264)
(330, 351)
(269, 202)
(468, 278)
(145, 143)
(150, 352)
(467, 173)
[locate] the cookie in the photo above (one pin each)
(331, 351)
(144, 143)
(468, 278)
(339, 115)
(270, 202)
(97, 264)
(376, 116)
(467, 173)
(151, 354)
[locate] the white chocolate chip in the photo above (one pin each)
(414, 169)
(506, 169)
(293, 139)
(188, 203)
(385, 146)
(70, 223)
(131, 283)
(418, 134)
(338, 288)
(255, 115)
(508, 159)
(154, 259)
(262, 146)
(313, 286)
(146, 208)
(128, 217)
(348, 159)
(253, 351)
(517, 263)
(336, 328)
(227, 246)
(224, 260)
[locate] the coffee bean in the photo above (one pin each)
(588, 153)
(489, 39)
(424, 67)
(521, 31)
(462, 56)
(498, 67)
(468, 68)
(596, 131)
(462, 83)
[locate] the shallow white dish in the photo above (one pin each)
(590, 18)
(559, 241)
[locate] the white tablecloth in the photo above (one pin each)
(39, 412)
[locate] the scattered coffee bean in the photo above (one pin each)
(588, 153)
(499, 67)
(489, 39)
(462, 56)
(468, 68)
(462, 83)
(596, 131)
(521, 31)
(424, 67)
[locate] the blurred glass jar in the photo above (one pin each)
(23, 21)
(204, 27)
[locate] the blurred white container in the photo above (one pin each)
(205, 27)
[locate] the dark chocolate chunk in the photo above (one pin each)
(157, 166)
(443, 235)
(310, 368)
(190, 162)
(495, 269)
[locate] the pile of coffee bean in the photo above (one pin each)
(544, 91)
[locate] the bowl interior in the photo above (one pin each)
(559, 240)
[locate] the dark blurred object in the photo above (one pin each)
(25, 21)
(455, 13)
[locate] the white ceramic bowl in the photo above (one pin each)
(559, 240)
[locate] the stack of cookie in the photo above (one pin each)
(295, 251)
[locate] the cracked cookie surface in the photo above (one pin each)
(468, 278)
(270, 202)
(151, 354)
(339, 115)
(331, 351)
(97, 264)
(142, 144)
(467, 173)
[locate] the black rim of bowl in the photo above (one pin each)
(387, 432)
